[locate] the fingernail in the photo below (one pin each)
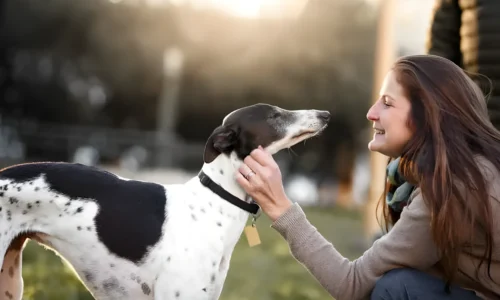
(260, 147)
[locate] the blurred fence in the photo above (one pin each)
(130, 152)
(28, 140)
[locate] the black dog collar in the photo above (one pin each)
(252, 208)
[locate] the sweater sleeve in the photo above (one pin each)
(408, 244)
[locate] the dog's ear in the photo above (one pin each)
(222, 140)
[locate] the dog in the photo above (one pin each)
(128, 239)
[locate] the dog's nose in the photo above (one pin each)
(324, 116)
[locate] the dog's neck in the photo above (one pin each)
(222, 170)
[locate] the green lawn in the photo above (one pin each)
(264, 272)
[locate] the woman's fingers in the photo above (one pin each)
(253, 165)
(260, 177)
(252, 185)
(246, 171)
(244, 183)
(262, 157)
(251, 172)
(269, 168)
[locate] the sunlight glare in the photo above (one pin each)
(242, 8)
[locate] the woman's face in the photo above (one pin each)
(390, 119)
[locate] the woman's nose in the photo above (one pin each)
(372, 114)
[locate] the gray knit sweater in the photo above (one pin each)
(408, 244)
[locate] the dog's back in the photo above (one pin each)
(83, 212)
(126, 207)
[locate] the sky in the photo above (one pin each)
(413, 20)
(412, 16)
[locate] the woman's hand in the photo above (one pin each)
(260, 177)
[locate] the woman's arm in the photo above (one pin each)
(408, 244)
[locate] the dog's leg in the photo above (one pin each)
(223, 269)
(11, 279)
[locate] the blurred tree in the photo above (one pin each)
(101, 63)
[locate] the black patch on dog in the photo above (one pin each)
(131, 213)
(88, 276)
(112, 286)
(246, 129)
(146, 289)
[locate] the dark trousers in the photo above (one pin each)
(411, 284)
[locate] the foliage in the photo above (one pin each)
(264, 272)
(100, 63)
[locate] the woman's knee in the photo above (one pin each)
(407, 283)
(394, 283)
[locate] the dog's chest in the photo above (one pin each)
(197, 243)
(199, 222)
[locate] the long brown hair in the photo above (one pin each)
(451, 127)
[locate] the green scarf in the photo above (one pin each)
(399, 190)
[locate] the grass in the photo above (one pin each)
(264, 272)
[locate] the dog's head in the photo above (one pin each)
(271, 127)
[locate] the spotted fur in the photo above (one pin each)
(128, 239)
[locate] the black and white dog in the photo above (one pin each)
(128, 239)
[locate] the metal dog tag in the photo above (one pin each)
(252, 235)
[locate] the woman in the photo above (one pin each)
(441, 198)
